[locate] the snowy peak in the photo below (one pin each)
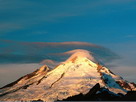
(79, 53)
(43, 69)
(77, 75)
(29, 78)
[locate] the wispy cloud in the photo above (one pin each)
(39, 33)
(35, 52)
(130, 36)
(22, 14)
(6, 27)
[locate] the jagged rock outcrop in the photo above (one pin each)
(87, 97)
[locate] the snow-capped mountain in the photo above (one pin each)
(77, 75)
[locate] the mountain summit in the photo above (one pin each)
(78, 75)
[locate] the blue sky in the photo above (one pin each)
(100, 22)
(108, 23)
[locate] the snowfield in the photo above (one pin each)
(76, 75)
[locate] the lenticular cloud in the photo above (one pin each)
(53, 53)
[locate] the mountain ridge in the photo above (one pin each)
(77, 75)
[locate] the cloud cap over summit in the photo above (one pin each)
(35, 52)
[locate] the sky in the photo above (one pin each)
(107, 23)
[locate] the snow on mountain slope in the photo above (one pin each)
(76, 75)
